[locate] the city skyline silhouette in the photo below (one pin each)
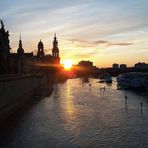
(105, 32)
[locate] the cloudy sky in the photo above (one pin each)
(104, 31)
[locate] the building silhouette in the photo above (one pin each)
(20, 49)
(51, 59)
(55, 49)
(22, 62)
(141, 66)
(123, 66)
(28, 63)
(4, 50)
(115, 66)
(86, 63)
(85, 69)
(40, 52)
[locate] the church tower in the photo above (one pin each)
(40, 52)
(20, 62)
(20, 50)
(55, 50)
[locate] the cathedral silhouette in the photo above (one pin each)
(22, 62)
(52, 59)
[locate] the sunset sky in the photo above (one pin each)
(103, 31)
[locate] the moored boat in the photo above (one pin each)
(133, 80)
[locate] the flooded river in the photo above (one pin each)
(81, 115)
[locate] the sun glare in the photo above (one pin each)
(67, 64)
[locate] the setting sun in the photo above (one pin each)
(67, 64)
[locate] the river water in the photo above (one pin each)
(79, 115)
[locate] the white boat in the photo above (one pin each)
(133, 80)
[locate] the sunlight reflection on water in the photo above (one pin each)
(76, 115)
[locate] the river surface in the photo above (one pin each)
(78, 115)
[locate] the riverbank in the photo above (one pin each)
(17, 90)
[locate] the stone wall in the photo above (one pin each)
(15, 90)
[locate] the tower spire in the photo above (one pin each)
(20, 41)
(55, 50)
(55, 37)
(20, 37)
(20, 49)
